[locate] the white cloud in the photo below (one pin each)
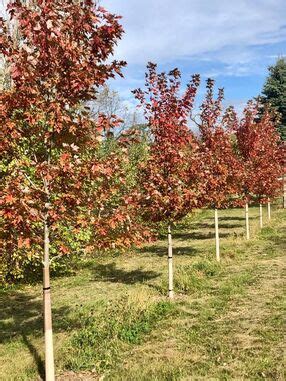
(3, 5)
(166, 30)
(233, 40)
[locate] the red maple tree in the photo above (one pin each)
(165, 180)
(258, 144)
(48, 140)
(168, 183)
(221, 167)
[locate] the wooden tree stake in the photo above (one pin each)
(49, 351)
(269, 210)
(217, 236)
(260, 216)
(284, 190)
(170, 263)
(247, 221)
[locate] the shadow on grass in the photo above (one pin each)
(198, 236)
(235, 218)
(162, 251)
(222, 224)
(21, 313)
(110, 273)
(36, 356)
(21, 317)
(277, 240)
(230, 226)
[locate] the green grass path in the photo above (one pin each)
(112, 320)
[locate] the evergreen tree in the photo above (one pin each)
(274, 92)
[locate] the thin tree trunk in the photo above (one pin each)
(170, 263)
(269, 210)
(217, 236)
(49, 351)
(260, 216)
(247, 221)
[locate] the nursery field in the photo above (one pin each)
(92, 171)
(113, 321)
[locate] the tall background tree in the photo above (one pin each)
(274, 92)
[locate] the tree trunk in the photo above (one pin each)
(269, 210)
(260, 216)
(49, 351)
(217, 236)
(247, 221)
(170, 263)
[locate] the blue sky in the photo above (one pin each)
(231, 41)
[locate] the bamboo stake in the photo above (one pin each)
(269, 210)
(247, 221)
(170, 263)
(260, 216)
(217, 236)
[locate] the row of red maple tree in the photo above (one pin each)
(70, 183)
(60, 183)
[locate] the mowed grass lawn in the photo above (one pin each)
(113, 321)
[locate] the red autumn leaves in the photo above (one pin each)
(52, 168)
(166, 185)
(221, 167)
(184, 171)
(62, 182)
(258, 145)
(48, 137)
